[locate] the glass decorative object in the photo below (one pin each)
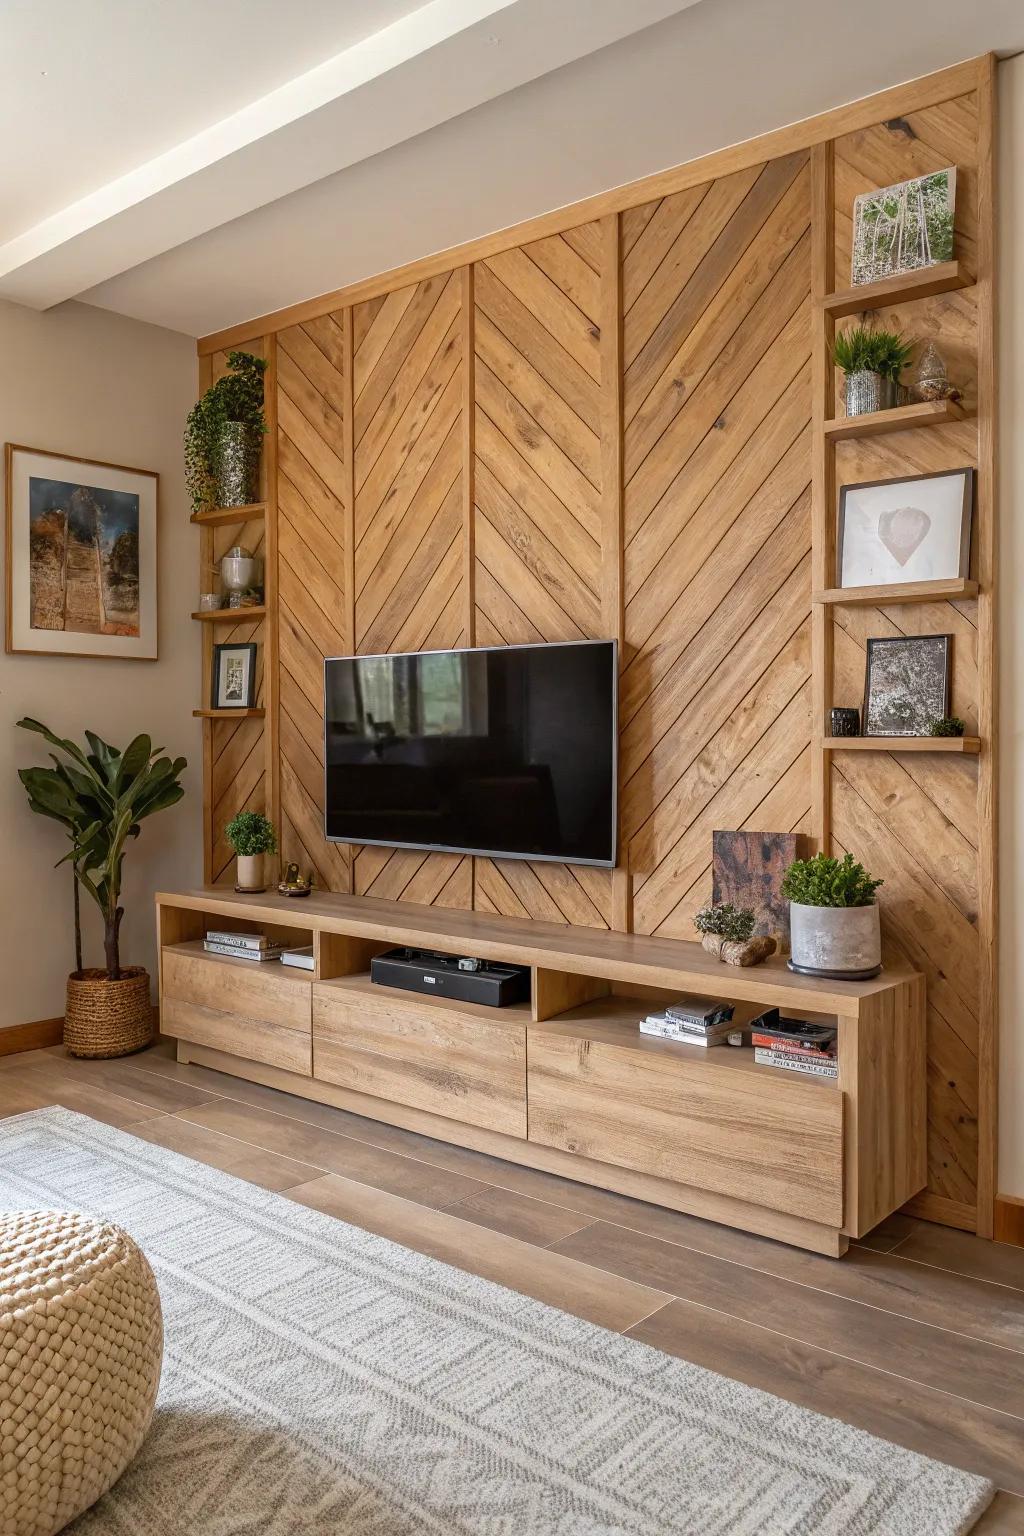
(931, 381)
(239, 571)
(845, 722)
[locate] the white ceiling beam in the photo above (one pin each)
(441, 60)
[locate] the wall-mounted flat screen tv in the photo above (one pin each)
(508, 751)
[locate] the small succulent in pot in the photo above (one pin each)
(949, 725)
(251, 836)
(834, 922)
(728, 933)
(872, 360)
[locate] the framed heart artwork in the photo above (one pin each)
(895, 531)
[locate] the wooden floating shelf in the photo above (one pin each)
(218, 516)
(900, 592)
(902, 418)
(231, 615)
(228, 714)
(970, 744)
(945, 277)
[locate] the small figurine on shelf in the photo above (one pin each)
(949, 725)
(292, 884)
(239, 570)
(931, 381)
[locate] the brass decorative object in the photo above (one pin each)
(292, 883)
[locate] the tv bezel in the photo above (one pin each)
(494, 853)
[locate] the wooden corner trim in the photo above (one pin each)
(1009, 1220)
(31, 1037)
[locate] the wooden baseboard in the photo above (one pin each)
(948, 1213)
(1009, 1220)
(31, 1037)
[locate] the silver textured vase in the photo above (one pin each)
(235, 459)
(843, 942)
(869, 391)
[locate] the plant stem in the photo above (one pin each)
(111, 945)
(78, 922)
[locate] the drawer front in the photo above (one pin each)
(419, 1053)
(751, 1135)
(232, 1006)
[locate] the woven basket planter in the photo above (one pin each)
(108, 1018)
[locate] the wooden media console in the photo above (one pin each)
(566, 1082)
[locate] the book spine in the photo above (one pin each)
(791, 1063)
(256, 955)
(236, 941)
(791, 1048)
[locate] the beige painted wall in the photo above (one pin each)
(81, 381)
(1010, 338)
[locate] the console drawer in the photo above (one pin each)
(460, 1060)
(258, 1012)
(712, 1120)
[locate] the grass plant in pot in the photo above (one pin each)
(100, 797)
(872, 361)
(251, 836)
(834, 928)
(224, 437)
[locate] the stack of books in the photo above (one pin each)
(694, 1020)
(242, 946)
(795, 1045)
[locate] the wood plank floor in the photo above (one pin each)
(917, 1335)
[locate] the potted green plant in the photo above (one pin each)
(872, 361)
(948, 725)
(100, 796)
(834, 927)
(224, 436)
(251, 836)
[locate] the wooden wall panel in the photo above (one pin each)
(313, 515)
(538, 498)
(407, 403)
(716, 691)
(914, 819)
(612, 428)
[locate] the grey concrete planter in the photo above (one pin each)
(844, 943)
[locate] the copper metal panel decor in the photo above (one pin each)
(747, 871)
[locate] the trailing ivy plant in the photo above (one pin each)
(949, 725)
(250, 833)
(726, 921)
(238, 396)
(825, 882)
(866, 349)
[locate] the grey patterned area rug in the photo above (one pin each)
(319, 1379)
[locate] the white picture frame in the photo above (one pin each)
(913, 529)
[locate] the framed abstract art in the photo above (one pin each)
(81, 556)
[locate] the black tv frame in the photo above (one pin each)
(494, 853)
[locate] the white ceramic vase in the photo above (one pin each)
(830, 941)
(249, 873)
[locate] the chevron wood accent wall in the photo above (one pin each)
(538, 505)
(408, 390)
(608, 423)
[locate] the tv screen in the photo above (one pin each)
(508, 751)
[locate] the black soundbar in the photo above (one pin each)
(463, 979)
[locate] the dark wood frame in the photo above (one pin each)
(10, 449)
(874, 644)
(966, 516)
(233, 645)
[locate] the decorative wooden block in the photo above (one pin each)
(747, 870)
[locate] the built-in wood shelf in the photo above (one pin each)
(218, 516)
(969, 744)
(231, 615)
(899, 592)
(902, 418)
(945, 277)
(228, 714)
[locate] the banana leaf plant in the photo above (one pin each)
(100, 796)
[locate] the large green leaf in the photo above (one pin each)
(134, 760)
(28, 724)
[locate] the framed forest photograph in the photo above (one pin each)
(81, 556)
(906, 684)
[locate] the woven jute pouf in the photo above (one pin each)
(81, 1342)
(107, 1018)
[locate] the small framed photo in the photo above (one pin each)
(81, 556)
(234, 676)
(918, 529)
(906, 684)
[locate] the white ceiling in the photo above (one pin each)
(196, 165)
